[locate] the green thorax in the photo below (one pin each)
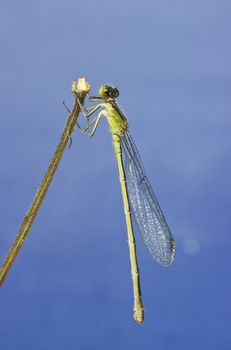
(117, 121)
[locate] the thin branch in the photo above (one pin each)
(80, 90)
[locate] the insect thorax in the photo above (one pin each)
(117, 121)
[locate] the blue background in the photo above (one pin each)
(70, 287)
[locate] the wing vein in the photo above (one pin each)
(145, 207)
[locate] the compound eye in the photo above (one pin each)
(110, 92)
(116, 92)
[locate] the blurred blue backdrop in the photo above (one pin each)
(70, 287)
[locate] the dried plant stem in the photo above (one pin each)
(79, 89)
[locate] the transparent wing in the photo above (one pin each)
(145, 207)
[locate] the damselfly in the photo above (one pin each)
(138, 196)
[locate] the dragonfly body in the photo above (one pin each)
(138, 196)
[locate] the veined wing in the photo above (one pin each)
(145, 207)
